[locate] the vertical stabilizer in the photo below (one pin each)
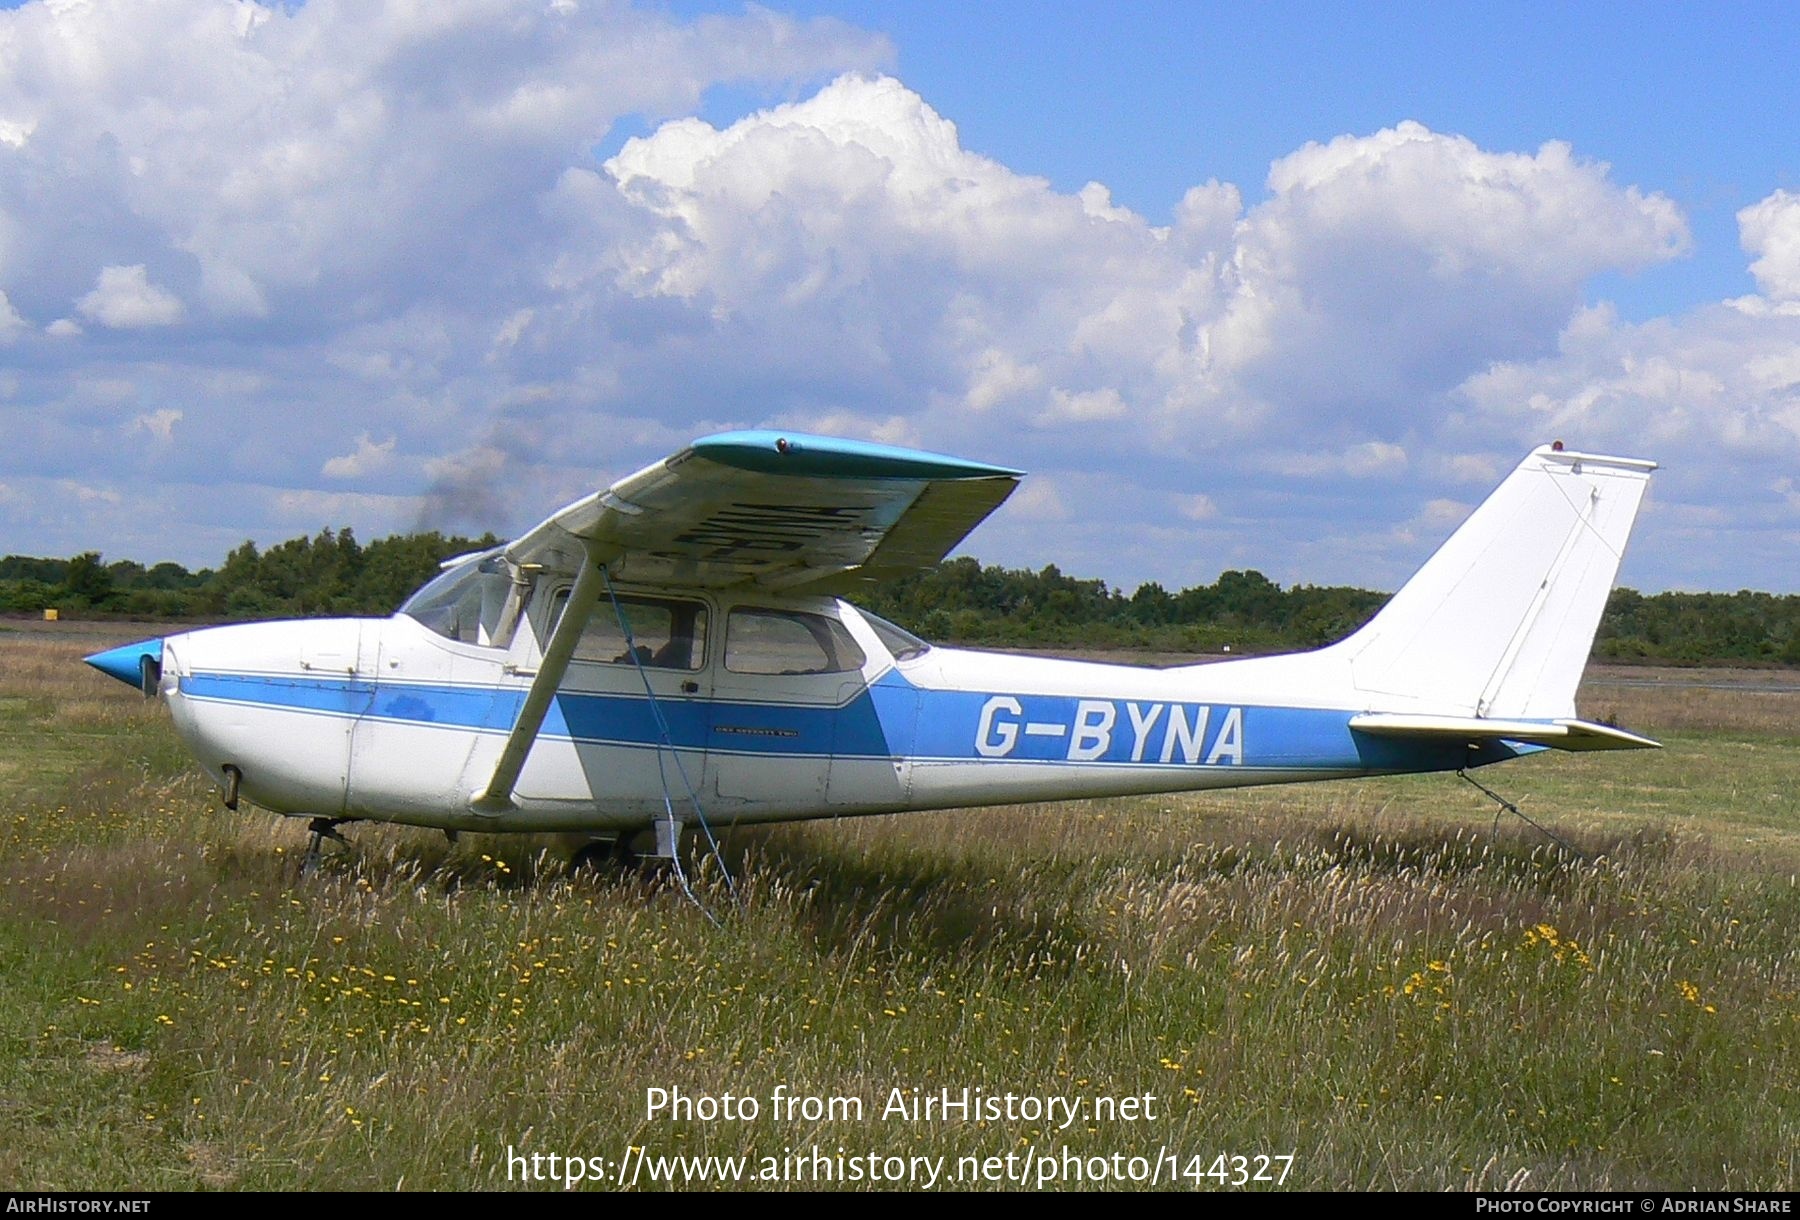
(1500, 621)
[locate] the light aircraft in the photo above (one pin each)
(670, 653)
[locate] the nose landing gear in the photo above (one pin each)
(322, 829)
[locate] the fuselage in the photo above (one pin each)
(755, 709)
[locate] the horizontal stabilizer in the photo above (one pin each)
(1557, 734)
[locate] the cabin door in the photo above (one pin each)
(629, 726)
(782, 679)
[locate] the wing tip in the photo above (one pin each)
(770, 451)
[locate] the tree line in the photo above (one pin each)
(960, 601)
(330, 574)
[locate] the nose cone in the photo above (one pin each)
(126, 663)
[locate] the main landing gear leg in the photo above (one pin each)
(627, 853)
(322, 829)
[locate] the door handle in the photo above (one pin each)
(689, 686)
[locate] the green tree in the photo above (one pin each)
(88, 581)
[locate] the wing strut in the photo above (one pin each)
(580, 607)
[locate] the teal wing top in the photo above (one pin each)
(778, 510)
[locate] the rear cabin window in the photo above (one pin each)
(665, 633)
(788, 642)
(899, 641)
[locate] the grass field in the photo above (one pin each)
(1369, 976)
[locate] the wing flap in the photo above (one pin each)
(1574, 735)
(938, 520)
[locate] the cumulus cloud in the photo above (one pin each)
(1770, 229)
(335, 220)
(159, 424)
(996, 377)
(1326, 333)
(1713, 392)
(125, 299)
(1723, 378)
(11, 324)
(1381, 268)
(1084, 407)
(369, 456)
(1385, 267)
(856, 225)
(347, 207)
(329, 150)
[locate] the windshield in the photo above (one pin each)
(467, 602)
(897, 640)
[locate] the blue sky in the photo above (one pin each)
(268, 270)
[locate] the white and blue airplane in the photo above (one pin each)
(670, 652)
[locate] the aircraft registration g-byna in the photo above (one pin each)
(671, 652)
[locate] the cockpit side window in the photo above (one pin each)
(788, 642)
(666, 633)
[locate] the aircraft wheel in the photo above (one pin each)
(605, 856)
(591, 858)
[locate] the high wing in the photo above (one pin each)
(769, 509)
(775, 510)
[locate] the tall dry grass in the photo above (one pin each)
(1370, 975)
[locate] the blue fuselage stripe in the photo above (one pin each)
(890, 719)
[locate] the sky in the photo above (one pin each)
(1276, 286)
